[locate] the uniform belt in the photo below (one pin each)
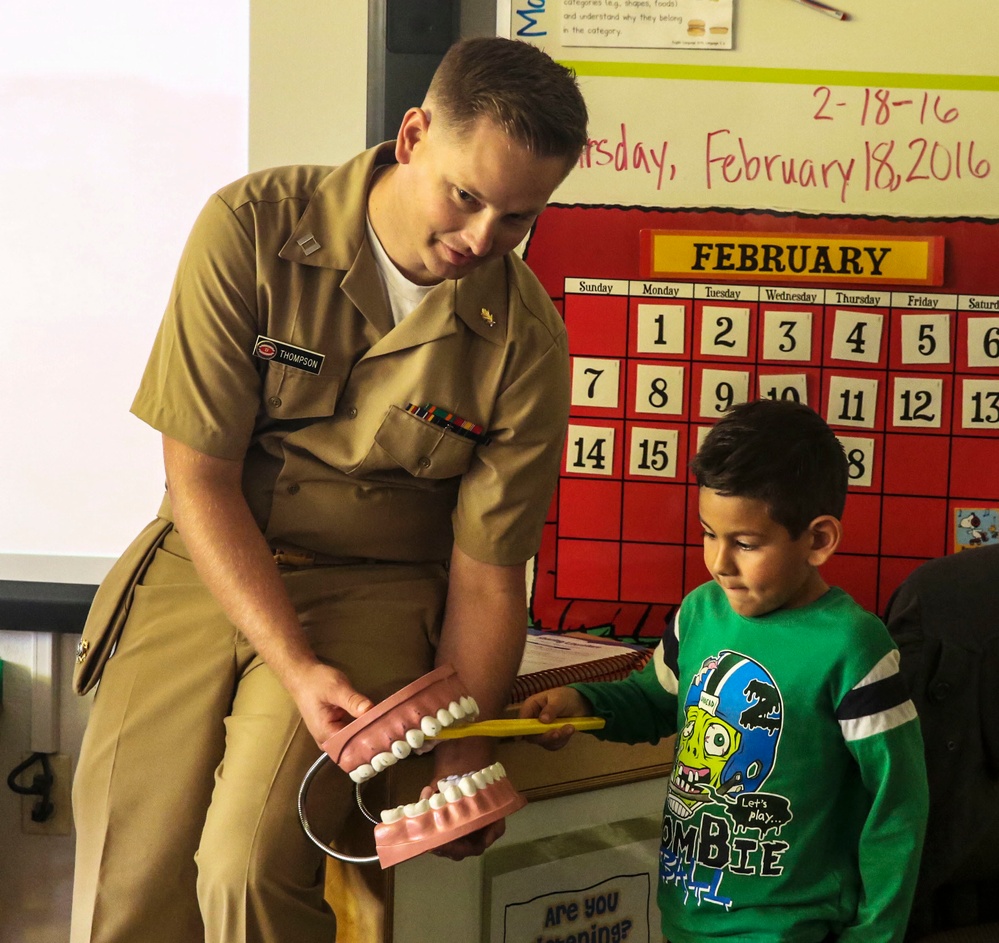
(285, 557)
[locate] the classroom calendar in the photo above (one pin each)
(907, 375)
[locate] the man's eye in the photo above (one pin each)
(465, 196)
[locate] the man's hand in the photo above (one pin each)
(457, 757)
(469, 846)
(548, 706)
(326, 700)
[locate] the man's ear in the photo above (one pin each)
(826, 532)
(412, 130)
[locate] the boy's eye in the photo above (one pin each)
(465, 196)
(707, 535)
(742, 545)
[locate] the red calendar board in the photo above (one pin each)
(907, 376)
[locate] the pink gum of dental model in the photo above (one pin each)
(375, 731)
(409, 837)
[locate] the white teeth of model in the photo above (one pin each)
(469, 706)
(382, 761)
(363, 773)
(442, 784)
(401, 749)
(413, 809)
(437, 801)
(451, 792)
(488, 775)
(444, 717)
(467, 787)
(498, 770)
(479, 780)
(456, 710)
(430, 726)
(415, 738)
(392, 815)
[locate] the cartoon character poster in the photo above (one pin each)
(975, 527)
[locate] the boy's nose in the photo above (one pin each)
(721, 560)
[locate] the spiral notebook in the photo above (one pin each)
(552, 659)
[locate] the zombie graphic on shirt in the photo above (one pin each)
(725, 751)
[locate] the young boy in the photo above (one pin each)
(796, 807)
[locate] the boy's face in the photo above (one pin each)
(472, 197)
(754, 559)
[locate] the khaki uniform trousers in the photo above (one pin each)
(185, 797)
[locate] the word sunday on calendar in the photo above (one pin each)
(888, 328)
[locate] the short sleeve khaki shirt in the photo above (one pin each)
(277, 348)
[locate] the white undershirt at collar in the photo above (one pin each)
(402, 294)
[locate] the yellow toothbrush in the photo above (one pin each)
(515, 727)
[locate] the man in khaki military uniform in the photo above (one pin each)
(325, 538)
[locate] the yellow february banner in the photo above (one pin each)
(794, 257)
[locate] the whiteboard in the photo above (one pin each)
(894, 111)
(117, 126)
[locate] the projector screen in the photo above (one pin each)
(118, 120)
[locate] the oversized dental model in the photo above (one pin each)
(461, 805)
(407, 723)
(404, 723)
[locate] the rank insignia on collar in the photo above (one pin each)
(309, 243)
(487, 316)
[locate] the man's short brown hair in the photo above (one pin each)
(536, 101)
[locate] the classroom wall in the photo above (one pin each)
(308, 60)
(308, 72)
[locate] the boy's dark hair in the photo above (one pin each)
(523, 90)
(779, 452)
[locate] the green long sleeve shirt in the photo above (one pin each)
(797, 803)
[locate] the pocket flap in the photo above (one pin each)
(112, 602)
(424, 450)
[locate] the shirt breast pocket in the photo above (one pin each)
(421, 448)
(291, 394)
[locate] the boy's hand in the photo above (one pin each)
(548, 706)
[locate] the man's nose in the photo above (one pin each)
(480, 234)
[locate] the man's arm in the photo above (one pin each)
(485, 627)
(235, 563)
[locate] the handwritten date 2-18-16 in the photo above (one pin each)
(879, 106)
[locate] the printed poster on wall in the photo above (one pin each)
(647, 24)
(552, 892)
